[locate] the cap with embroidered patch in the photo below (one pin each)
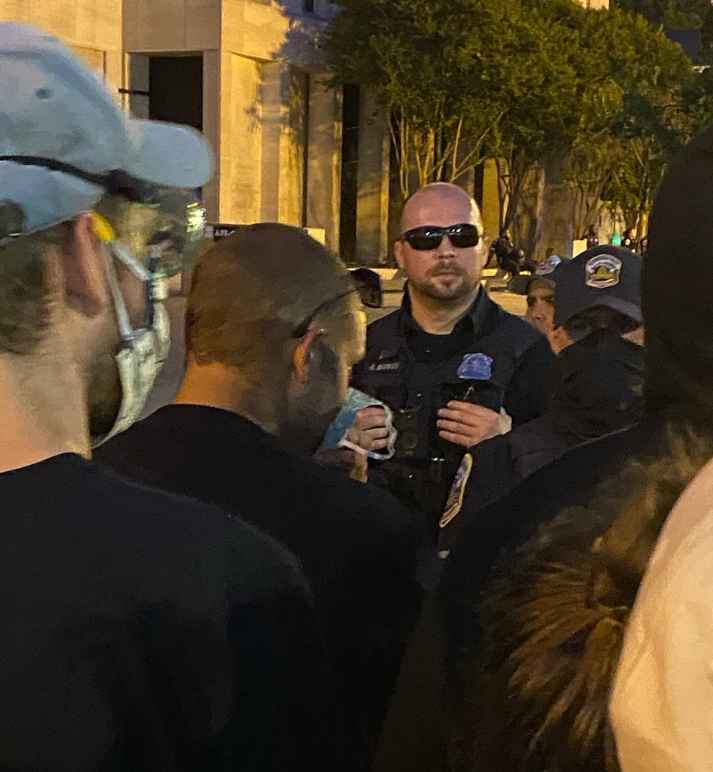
(64, 143)
(602, 276)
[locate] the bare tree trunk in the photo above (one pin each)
(502, 193)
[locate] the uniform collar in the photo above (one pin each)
(473, 321)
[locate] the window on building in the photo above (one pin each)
(308, 6)
(176, 89)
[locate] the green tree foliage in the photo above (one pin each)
(572, 97)
(656, 115)
(442, 67)
(527, 82)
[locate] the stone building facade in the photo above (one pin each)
(247, 74)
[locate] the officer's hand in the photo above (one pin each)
(466, 424)
(369, 429)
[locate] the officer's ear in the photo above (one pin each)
(304, 353)
(399, 253)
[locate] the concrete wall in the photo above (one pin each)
(92, 28)
(171, 25)
(324, 152)
(240, 139)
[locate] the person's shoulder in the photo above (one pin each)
(169, 526)
(516, 325)
(571, 478)
(385, 326)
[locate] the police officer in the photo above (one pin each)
(450, 362)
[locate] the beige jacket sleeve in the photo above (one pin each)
(662, 701)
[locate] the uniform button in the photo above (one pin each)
(419, 395)
(410, 477)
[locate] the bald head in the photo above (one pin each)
(440, 272)
(437, 199)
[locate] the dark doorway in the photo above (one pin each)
(350, 171)
(176, 90)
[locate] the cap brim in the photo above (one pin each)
(169, 155)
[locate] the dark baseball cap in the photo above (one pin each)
(603, 276)
(545, 276)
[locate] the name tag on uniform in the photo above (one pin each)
(390, 366)
(476, 367)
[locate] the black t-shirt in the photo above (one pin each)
(356, 543)
(146, 632)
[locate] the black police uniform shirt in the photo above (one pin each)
(357, 545)
(416, 373)
(144, 632)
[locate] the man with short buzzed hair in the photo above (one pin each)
(273, 328)
(450, 363)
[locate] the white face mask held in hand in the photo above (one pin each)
(336, 434)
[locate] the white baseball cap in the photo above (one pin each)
(65, 143)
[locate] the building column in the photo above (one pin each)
(324, 159)
(373, 182)
(283, 96)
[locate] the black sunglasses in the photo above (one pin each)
(429, 237)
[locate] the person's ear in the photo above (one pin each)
(304, 353)
(84, 268)
(399, 253)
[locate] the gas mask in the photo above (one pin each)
(144, 349)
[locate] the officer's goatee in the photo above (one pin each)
(462, 284)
